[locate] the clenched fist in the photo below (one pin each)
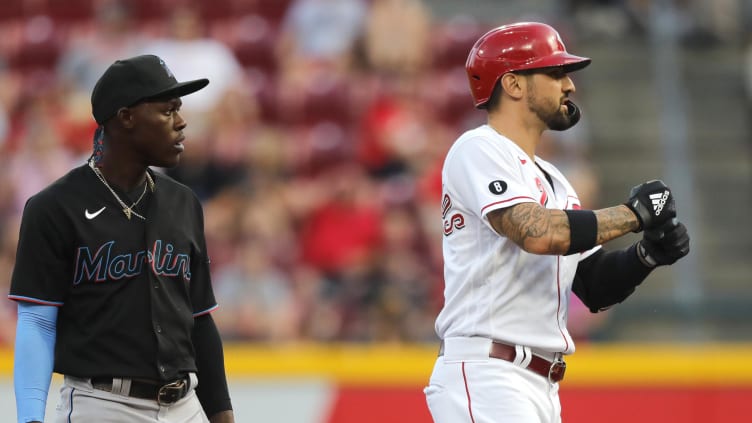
(664, 245)
(652, 203)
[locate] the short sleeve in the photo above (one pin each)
(42, 272)
(202, 294)
(486, 177)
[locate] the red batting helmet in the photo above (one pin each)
(515, 47)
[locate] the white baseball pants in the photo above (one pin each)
(467, 386)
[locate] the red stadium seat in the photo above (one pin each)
(40, 45)
(454, 40)
(455, 105)
(214, 10)
(273, 10)
(70, 10)
(253, 41)
(265, 87)
(327, 98)
(10, 10)
(148, 10)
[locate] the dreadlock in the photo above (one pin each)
(96, 156)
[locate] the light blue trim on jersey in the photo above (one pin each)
(34, 300)
(34, 359)
(207, 311)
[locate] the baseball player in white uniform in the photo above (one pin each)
(517, 242)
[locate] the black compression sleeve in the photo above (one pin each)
(583, 230)
(212, 388)
(608, 278)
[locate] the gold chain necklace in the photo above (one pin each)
(128, 210)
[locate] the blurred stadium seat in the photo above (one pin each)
(215, 10)
(274, 10)
(148, 10)
(453, 40)
(70, 11)
(453, 105)
(40, 45)
(10, 10)
(327, 98)
(252, 38)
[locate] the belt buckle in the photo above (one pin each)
(171, 393)
(557, 370)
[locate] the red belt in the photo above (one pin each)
(552, 370)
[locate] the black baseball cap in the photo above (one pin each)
(130, 81)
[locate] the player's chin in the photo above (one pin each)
(562, 122)
(173, 163)
(167, 161)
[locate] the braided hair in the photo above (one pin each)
(98, 153)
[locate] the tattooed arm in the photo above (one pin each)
(539, 230)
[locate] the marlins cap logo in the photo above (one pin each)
(164, 65)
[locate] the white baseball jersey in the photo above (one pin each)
(494, 289)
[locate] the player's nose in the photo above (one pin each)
(568, 85)
(180, 123)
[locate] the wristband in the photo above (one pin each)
(583, 230)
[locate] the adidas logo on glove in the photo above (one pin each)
(659, 200)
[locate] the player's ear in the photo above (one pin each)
(513, 84)
(125, 117)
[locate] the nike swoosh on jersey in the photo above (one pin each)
(93, 215)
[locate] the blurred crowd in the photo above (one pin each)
(316, 149)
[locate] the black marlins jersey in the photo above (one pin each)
(127, 290)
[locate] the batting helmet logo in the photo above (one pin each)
(515, 47)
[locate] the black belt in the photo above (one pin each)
(553, 370)
(164, 394)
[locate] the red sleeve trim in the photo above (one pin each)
(34, 300)
(207, 311)
(506, 201)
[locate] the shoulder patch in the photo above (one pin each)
(497, 187)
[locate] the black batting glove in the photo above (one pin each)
(663, 245)
(652, 203)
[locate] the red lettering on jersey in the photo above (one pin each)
(544, 196)
(457, 221)
(446, 204)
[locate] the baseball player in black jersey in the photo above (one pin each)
(112, 273)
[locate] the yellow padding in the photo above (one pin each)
(350, 364)
(410, 365)
(661, 365)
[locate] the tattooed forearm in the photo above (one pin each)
(614, 222)
(539, 230)
(534, 228)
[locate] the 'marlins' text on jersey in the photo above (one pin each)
(103, 265)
